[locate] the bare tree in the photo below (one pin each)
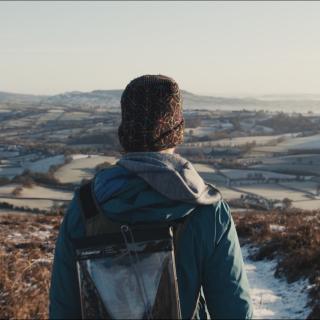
(17, 191)
(200, 155)
(287, 203)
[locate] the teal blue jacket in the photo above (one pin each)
(209, 260)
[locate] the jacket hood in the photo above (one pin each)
(172, 176)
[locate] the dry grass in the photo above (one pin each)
(291, 237)
(26, 251)
(27, 246)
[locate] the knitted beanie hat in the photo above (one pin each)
(152, 117)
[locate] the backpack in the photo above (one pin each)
(126, 271)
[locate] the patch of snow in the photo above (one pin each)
(43, 261)
(17, 234)
(43, 235)
(43, 165)
(243, 174)
(79, 156)
(277, 228)
(56, 110)
(274, 298)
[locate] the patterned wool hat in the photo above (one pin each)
(152, 117)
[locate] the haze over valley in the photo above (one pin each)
(249, 75)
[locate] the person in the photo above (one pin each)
(152, 184)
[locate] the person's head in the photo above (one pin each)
(152, 119)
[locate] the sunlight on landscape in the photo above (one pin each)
(249, 78)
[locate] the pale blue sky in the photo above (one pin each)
(218, 47)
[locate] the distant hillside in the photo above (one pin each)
(190, 101)
(113, 96)
(96, 96)
(7, 96)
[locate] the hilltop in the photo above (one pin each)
(191, 101)
(8, 96)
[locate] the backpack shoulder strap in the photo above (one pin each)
(179, 230)
(94, 219)
(86, 202)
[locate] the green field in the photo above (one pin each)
(48, 117)
(75, 116)
(19, 123)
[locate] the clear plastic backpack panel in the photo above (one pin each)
(110, 282)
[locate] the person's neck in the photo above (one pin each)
(170, 151)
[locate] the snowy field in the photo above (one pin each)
(19, 123)
(208, 173)
(294, 159)
(243, 174)
(274, 298)
(43, 165)
(36, 192)
(48, 117)
(9, 154)
(26, 157)
(80, 168)
(201, 131)
(300, 143)
(252, 127)
(312, 169)
(195, 150)
(274, 191)
(10, 171)
(228, 194)
(242, 140)
(76, 116)
(46, 193)
(32, 204)
(305, 186)
(307, 205)
(205, 168)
